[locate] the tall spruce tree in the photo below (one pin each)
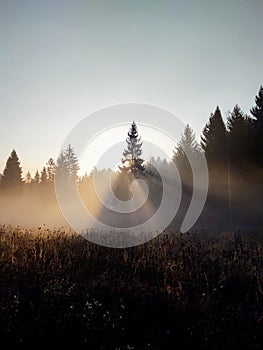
(186, 146)
(214, 140)
(257, 111)
(36, 179)
(239, 129)
(67, 165)
(257, 130)
(50, 166)
(132, 161)
(43, 176)
(28, 178)
(12, 175)
(72, 163)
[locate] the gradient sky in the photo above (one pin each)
(61, 60)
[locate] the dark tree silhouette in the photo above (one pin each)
(239, 129)
(12, 175)
(257, 111)
(214, 139)
(187, 145)
(214, 142)
(132, 163)
(257, 132)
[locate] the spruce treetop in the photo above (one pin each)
(132, 161)
(257, 111)
(12, 175)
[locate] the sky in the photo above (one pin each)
(62, 60)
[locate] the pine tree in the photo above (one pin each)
(214, 140)
(257, 128)
(50, 166)
(67, 165)
(28, 178)
(187, 146)
(132, 163)
(61, 167)
(239, 129)
(36, 179)
(43, 176)
(72, 163)
(257, 111)
(215, 144)
(12, 175)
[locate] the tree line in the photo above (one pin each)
(233, 151)
(66, 167)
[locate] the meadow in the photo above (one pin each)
(178, 291)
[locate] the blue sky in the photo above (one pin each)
(61, 60)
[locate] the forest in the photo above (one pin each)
(198, 289)
(233, 152)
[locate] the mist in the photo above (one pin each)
(30, 210)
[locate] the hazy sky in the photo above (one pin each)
(61, 60)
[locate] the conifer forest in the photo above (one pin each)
(198, 289)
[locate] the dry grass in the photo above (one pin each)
(177, 291)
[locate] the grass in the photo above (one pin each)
(179, 291)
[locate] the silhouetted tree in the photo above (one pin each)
(67, 165)
(43, 176)
(214, 139)
(214, 142)
(28, 178)
(239, 128)
(132, 163)
(12, 175)
(257, 132)
(36, 179)
(50, 166)
(187, 145)
(72, 163)
(257, 111)
(61, 167)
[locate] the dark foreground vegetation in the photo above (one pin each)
(176, 292)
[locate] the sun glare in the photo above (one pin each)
(105, 149)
